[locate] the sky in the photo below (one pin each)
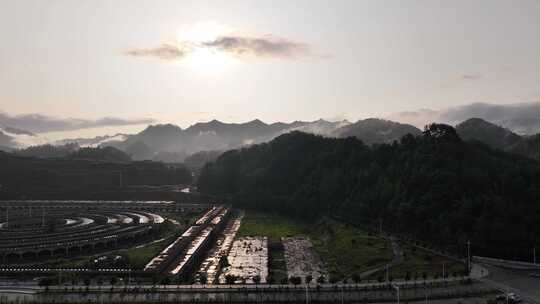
(189, 61)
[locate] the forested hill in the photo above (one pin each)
(434, 186)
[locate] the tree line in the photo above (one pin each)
(435, 187)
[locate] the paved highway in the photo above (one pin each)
(517, 281)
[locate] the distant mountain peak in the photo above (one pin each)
(376, 130)
(257, 122)
(487, 132)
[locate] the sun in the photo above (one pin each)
(207, 61)
(204, 60)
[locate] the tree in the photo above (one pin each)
(321, 279)
(434, 186)
(257, 279)
(100, 282)
(295, 280)
(45, 282)
(356, 278)
(203, 278)
(230, 279)
(309, 278)
(441, 132)
(407, 276)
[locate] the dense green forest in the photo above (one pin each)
(435, 187)
(82, 174)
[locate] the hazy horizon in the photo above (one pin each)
(188, 61)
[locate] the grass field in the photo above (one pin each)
(137, 258)
(345, 250)
(419, 263)
(272, 226)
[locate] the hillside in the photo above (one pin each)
(488, 133)
(529, 146)
(498, 137)
(434, 186)
(82, 174)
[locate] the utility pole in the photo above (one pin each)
(307, 294)
(469, 256)
(396, 287)
(443, 272)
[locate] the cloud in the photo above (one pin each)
(471, 76)
(164, 52)
(521, 118)
(417, 118)
(238, 46)
(267, 46)
(38, 123)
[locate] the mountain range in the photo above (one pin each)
(170, 143)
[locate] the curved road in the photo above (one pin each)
(517, 281)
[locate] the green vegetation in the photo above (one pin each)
(345, 250)
(273, 226)
(82, 177)
(418, 263)
(137, 258)
(435, 187)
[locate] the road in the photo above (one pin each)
(517, 281)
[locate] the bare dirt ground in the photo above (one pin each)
(248, 259)
(301, 258)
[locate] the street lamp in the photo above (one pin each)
(396, 287)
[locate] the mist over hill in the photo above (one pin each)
(376, 131)
(171, 143)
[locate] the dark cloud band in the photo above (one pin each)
(163, 52)
(239, 46)
(261, 47)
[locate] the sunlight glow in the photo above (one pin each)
(207, 61)
(204, 60)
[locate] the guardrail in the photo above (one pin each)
(519, 265)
